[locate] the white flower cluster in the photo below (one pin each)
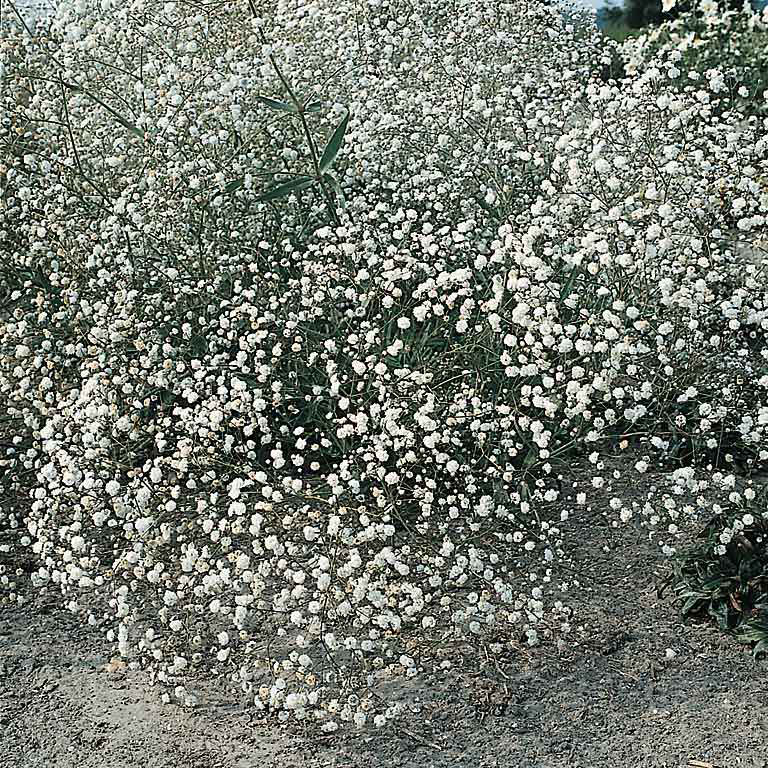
(300, 408)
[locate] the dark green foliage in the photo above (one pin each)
(610, 14)
(614, 68)
(730, 588)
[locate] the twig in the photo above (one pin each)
(422, 741)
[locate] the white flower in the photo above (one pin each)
(143, 524)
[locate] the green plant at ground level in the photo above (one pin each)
(725, 576)
(619, 31)
(643, 13)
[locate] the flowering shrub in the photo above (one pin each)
(309, 305)
(712, 41)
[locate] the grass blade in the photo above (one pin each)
(337, 189)
(120, 119)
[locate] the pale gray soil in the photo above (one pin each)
(610, 699)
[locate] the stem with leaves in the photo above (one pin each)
(320, 164)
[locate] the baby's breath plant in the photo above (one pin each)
(705, 39)
(310, 305)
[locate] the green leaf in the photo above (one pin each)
(120, 119)
(690, 604)
(198, 345)
(566, 290)
(278, 106)
(530, 458)
(315, 106)
(337, 189)
(719, 612)
(334, 145)
(251, 380)
(281, 190)
(234, 185)
(752, 635)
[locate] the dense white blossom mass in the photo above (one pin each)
(307, 306)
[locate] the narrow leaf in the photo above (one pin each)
(334, 145)
(120, 119)
(281, 190)
(279, 106)
(315, 106)
(566, 291)
(337, 189)
(234, 185)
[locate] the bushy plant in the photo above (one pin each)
(310, 304)
(725, 577)
(642, 13)
(730, 43)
